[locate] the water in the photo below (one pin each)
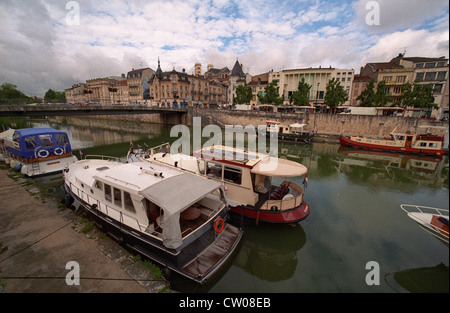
(355, 218)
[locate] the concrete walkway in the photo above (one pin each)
(38, 238)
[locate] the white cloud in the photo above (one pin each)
(40, 51)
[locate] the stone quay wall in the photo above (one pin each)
(325, 124)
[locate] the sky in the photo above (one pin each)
(52, 44)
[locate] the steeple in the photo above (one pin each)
(158, 72)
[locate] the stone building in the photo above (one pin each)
(317, 78)
(169, 89)
(237, 77)
(258, 83)
(77, 94)
(138, 89)
(359, 85)
(99, 90)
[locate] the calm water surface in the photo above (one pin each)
(355, 218)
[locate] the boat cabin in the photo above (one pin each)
(31, 144)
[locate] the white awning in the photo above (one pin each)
(279, 167)
(175, 194)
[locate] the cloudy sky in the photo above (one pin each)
(54, 43)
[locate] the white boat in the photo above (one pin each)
(177, 219)
(292, 132)
(247, 177)
(432, 220)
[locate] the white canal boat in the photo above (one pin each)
(177, 219)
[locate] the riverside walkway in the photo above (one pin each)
(39, 237)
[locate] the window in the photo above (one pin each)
(61, 139)
(441, 76)
(108, 193)
(233, 175)
(437, 88)
(117, 197)
(400, 79)
(387, 79)
(441, 64)
(30, 142)
(214, 170)
(432, 145)
(45, 141)
(419, 65)
(422, 144)
(128, 202)
(419, 76)
(430, 65)
(98, 185)
(430, 76)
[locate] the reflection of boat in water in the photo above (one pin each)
(174, 218)
(419, 163)
(432, 220)
(267, 257)
(423, 279)
(409, 143)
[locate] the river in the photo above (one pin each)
(356, 238)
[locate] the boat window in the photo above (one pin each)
(128, 202)
(108, 193)
(61, 139)
(98, 185)
(117, 197)
(16, 137)
(45, 141)
(214, 170)
(201, 166)
(233, 175)
(422, 144)
(433, 145)
(30, 142)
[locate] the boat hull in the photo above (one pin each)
(184, 260)
(346, 141)
(282, 217)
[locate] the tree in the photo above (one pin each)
(271, 95)
(301, 95)
(55, 96)
(374, 96)
(418, 96)
(243, 94)
(9, 94)
(335, 94)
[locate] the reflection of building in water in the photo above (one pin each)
(267, 257)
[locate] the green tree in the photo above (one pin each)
(335, 94)
(271, 95)
(243, 94)
(418, 96)
(301, 95)
(374, 96)
(9, 94)
(54, 96)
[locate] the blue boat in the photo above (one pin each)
(39, 151)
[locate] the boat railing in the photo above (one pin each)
(103, 157)
(288, 202)
(412, 208)
(157, 148)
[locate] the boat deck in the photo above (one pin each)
(208, 259)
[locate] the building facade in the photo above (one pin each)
(317, 78)
(77, 94)
(138, 89)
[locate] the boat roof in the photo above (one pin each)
(156, 182)
(37, 131)
(259, 163)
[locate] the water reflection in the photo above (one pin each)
(270, 253)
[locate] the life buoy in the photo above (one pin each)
(216, 225)
(58, 151)
(43, 153)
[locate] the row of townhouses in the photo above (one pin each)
(217, 86)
